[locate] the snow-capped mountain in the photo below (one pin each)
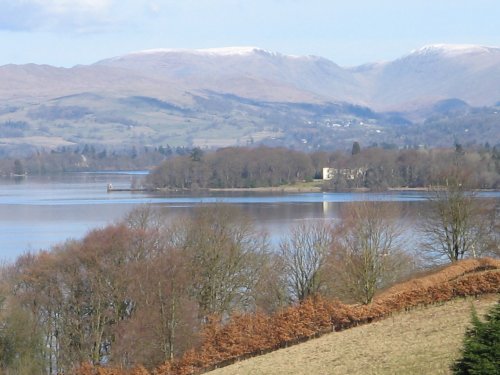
(245, 71)
(452, 49)
(437, 72)
(221, 96)
(429, 74)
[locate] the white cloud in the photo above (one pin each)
(71, 15)
(154, 6)
(71, 6)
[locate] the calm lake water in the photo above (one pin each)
(39, 212)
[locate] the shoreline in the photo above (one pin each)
(270, 189)
(299, 189)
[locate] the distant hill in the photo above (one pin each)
(436, 72)
(243, 95)
(246, 72)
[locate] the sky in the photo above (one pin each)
(351, 32)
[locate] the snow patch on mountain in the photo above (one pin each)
(224, 51)
(244, 51)
(452, 49)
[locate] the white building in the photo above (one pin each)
(347, 173)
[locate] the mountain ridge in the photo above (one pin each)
(431, 73)
(235, 95)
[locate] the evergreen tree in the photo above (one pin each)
(18, 169)
(481, 350)
(196, 154)
(356, 148)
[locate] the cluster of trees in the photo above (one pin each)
(239, 167)
(411, 168)
(234, 168)
(381, 168)
(88, 158)
(146, 281)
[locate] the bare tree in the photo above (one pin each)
(163, 320)
(304, 257)
(225, 251)
(147, 224)
(271, 291)
(459, 224)
(368, 254)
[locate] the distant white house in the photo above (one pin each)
(347, 173)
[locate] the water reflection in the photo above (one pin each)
(39, 212)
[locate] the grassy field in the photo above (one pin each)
(423, 341)
(299, 187)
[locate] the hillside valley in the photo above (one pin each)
(434, 96)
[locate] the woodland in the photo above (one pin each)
(381, 168)
(251, 167)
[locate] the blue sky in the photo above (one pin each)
(70, 32)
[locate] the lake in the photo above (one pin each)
(39, 212)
